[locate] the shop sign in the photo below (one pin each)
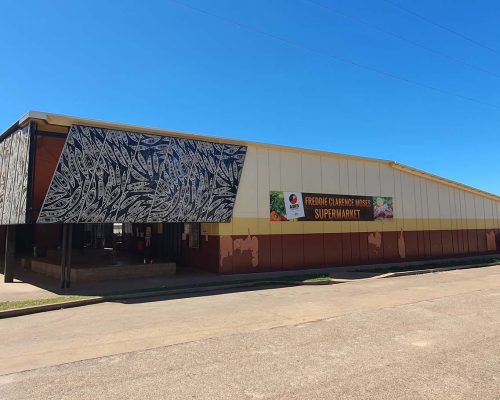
(288, 206)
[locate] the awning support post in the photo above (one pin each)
(63, 255)
(67, 243)
(68, 255)
(10, 248)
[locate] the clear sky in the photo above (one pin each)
(359, 77)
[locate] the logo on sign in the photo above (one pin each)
(294, 205)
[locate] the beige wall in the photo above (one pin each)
(420, 203)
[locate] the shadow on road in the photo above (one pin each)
(202, 293)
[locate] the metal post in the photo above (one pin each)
(68, 255)
(10, 248)
(64, 247)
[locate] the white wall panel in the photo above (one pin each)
(330, 175)
(470, 210)
(275, 170)
(291, 171)
(433, 200)
(388, 177)
(246, 199)
(408, 191)
(479, 204)
(419, 203)
(399, 206)
(425, 203)
(444, 202)
(263, 182)
(453, 211)
(344, 176)
(311, 174)
(372, 179)
(360, 179)
(352, 182)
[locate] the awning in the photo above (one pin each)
(107, 175)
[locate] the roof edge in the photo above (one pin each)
(64, 120)
(448, 182)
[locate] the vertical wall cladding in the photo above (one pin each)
(14, 155)
(431, 219)
(107, 175)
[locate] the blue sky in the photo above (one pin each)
(228, 73)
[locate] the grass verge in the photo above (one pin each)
(317, 279)
(13, 305)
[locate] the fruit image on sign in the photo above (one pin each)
(277, 207)
(382, 208)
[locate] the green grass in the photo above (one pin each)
(13, 305)
(318, 279)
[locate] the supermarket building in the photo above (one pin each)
(113, 195)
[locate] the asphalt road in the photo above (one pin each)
(434, 336)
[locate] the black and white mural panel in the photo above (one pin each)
(107, 175)
(74, 174)
(14, 160)
(223, 194)
(143, 178)
(108, 182)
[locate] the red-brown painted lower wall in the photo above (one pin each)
(240, 254)
(206, 257)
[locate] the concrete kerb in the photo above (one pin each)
(430, 270)
(17, 312)
(154, 292)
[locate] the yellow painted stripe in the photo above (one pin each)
(262, 226)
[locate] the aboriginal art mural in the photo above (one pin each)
(106, 175)
(14, 159)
